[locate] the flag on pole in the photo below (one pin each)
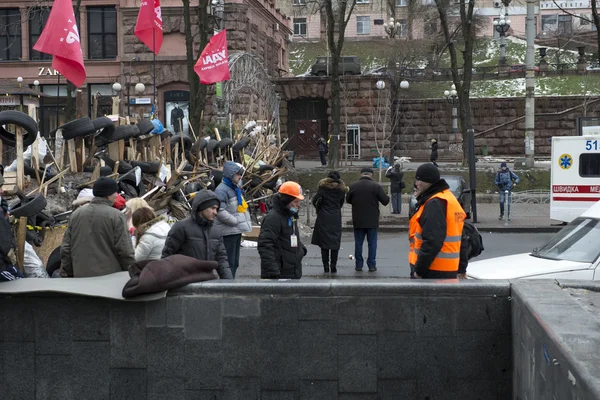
(148, 27)
(60, 38)
(213, 64)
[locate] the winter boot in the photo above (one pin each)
(333, 268)
(326, 268)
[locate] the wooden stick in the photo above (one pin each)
(72, 155)
(116, 167)
(192, 130)
(21, 234)
(54, 179)
(20, 159)
(94, 180)
(61, 153)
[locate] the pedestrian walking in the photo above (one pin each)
(323, 150)
(365, 197)
(505, 180)
(327, 233)
(279, 246)
(435, 231)
(434, 152)
(194, 236)
(233, 218)
(395, 175)
(150, 234)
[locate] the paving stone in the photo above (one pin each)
(393, 389)
(165, 349)
(357, 363)
(53, 379)
(279, 395)
(54, 326)
(128, 335)
(202, 317)
(204, 364)
(156, 313)
(318, 390)
(161, 388)
(241, 351)
(19, 322)
(397, 355)
(91, 319)
(128, 384)
(203, 395)
(241, 388)
(436, 316)
(174, 311)
(317, 350)
(317, 308)
(91, 370)
(241, 307)
(19, 364)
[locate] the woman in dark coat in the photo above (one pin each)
(434, 152)
(328, 227)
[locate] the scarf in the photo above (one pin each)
(242, 205)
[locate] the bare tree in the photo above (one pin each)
(593, 19)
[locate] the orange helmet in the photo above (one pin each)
(291, 189)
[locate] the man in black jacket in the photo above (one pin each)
(365, 196)
(193, 236)
(395, 175)
(279, 246)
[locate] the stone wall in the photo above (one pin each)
(263, 340)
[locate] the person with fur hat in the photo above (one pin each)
(365, 197)
(195, 237)
(434, 152)
(435, 230)
(96, 241)
(327, 234)
(233, 218)
(279, 246)
(505, 180)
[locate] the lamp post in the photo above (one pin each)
(392, 28)
(20, 85)
(116, 87)
(139, 89)
(452, 98)
(502, 26)
(404, 85)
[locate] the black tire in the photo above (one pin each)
(124, 167)
(21, 119)
(192, 187)
(121, 133)
(212, 145)
(78, 128)
(33, 238)
(224, 143)
(103, 123)
(265, 167)
(128, 189)
(105, 171)
(241, 144)
(147, 167)
(100, 141)
(255, 181)
(202, 143)
(187, 141)
(29, 208)
(145, 126)
(54, 261)
(188, 167)
(43, 219)
(136, 131)
(270, 184)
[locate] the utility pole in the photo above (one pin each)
(530, 86)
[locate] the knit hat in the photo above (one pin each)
(286, 198)
(334, 175)
(427, 173)
(366, 170)
(104, 187)
(502, 165)
(208, 203)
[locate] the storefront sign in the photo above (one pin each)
(8, 101)
(565, 4)
(141, 100)
(47, 71)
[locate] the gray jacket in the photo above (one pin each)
(96, 241)
(229, 221)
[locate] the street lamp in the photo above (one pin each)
(392, 28)
(502, 26)
(116, 87)
(452, 98)
(140, 88)
(20, 81)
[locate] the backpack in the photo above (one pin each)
(474, 240)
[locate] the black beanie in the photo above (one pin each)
(428, 173)
(286, 198)
(104, 187)
(208, 203)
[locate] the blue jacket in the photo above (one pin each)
(505, 179)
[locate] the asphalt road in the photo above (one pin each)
(391, 255)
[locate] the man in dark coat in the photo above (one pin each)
(395, 176)
(194, 236)
(365, 196)
(327, 234)
(323, 149)
(279, 246)
(434, 152)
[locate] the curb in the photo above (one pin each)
(491, 229)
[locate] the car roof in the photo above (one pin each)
(452, 177)
(592, 212)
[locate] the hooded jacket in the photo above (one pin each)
(365, 196)
(505, 179)
(96, 241)
(194, 237)
(278, 259)
(395, 176)
(229, 221)
(329, 201)
(151, 238)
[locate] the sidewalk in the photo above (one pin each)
(302, 164)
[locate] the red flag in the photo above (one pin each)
(60, 38)
(149, 25)
(213, 64)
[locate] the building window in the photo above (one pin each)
(300, 26)
(548, 23)
(299, 2)
(428, 2)
(362, 1)
(363, 25)
(565, 24)
(37, 21)
(403, 27)
(401, 3)
(102, 32)
(10, 34)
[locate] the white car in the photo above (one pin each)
(593, 67)
(573, 253)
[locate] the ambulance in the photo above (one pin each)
(575, 176)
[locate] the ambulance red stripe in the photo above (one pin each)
(574, 198)
(576, 189)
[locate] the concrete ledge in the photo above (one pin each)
(481, 227)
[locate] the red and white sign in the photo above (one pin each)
(576, 189)
(213, 64)
(148, 27)
(60, 38)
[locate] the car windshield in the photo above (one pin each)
(577, 242)
(452, 182)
